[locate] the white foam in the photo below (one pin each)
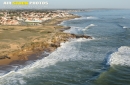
(62, 23)
(81, 18)
(91, 17)
(12, 78)
(91, 25)
(68, 51)
(74, 30)
(78, 30)
(125, 27)
(121, 57)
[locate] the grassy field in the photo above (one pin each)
(13, 38)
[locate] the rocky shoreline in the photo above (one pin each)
(38, 47)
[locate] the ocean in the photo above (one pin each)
(103, 60)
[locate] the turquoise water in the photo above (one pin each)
(104, 60)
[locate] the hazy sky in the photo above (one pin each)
(77, 4)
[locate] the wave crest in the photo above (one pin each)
(91, 17)
(91, 25)
(121, 57)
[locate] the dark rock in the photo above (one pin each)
(4, 57)
(8, 57)
(81, 36)
(66, 28)
(49, 32)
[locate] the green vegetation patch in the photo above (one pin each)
(16, 35)
(30, 30)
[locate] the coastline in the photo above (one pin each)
(32, 50)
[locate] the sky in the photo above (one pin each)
(73, 4)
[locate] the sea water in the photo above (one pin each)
(103, 60)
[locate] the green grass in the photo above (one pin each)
(30, 30)
(16, 35)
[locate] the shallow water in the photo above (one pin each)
(104, 60)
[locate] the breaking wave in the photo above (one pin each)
(91, 17)
(79, 30)
(67, 51)
(74, 30)
(91, 25)
(121, 57)
(124, 27)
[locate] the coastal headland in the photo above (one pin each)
(18, 42)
